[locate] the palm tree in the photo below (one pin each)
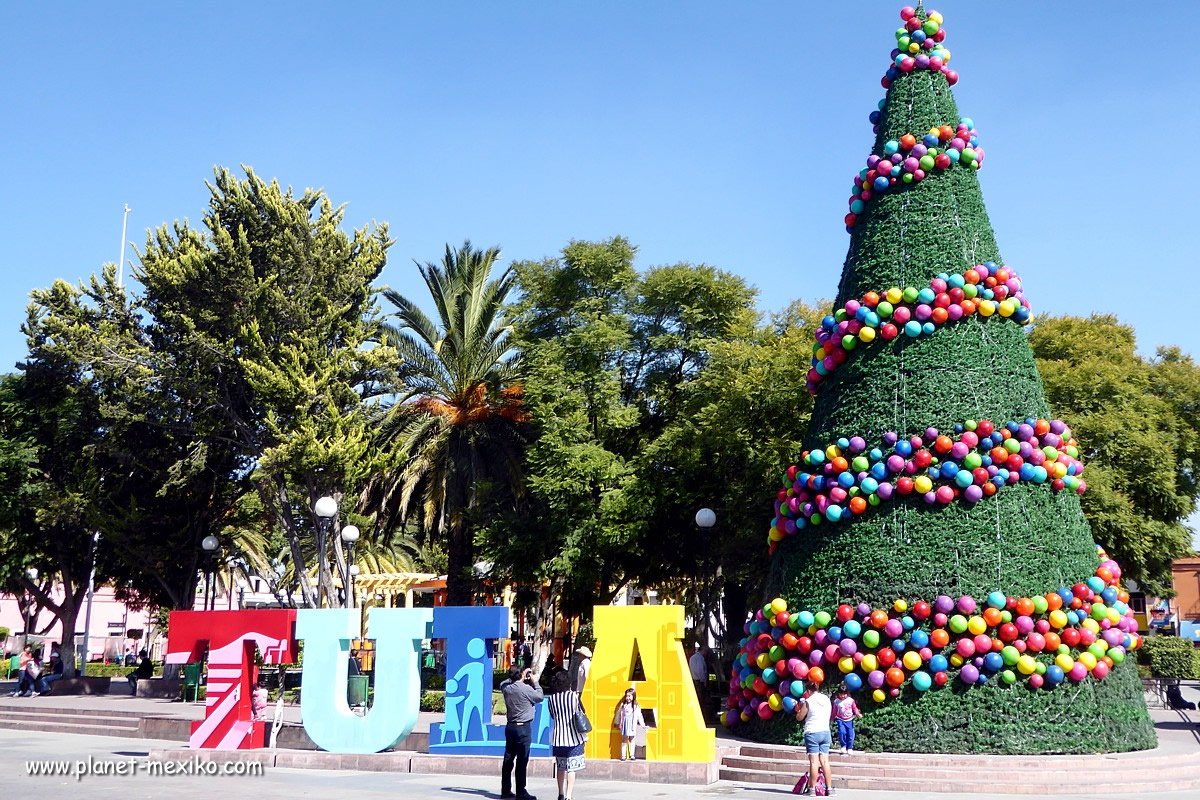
(455, 422)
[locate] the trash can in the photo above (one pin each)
(357, 690)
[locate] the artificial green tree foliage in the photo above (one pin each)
(1024, 540)
(1138, 422)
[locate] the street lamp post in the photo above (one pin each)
(32, 574)
(353, 575)
(706, 518)
(349, 537)
(209, 545)
(326, 508)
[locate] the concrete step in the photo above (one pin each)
(69, 727)
(1063, 771)
(960, 760)
(1036, 784)
(18, 718)
(19, 704)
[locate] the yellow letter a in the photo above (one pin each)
(653, 632)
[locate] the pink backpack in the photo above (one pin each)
(802, 784)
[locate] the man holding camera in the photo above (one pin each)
(521, 696)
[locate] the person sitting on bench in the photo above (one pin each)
(144, 671)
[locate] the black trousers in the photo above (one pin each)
(517, 738)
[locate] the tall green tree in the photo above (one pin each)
(50, 421)
(1137, 421)
(454, 423)
(265, 319)
(607, 354)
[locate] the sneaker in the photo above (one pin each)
(850, 751)
(12, 694)
(35, 694)
(843, 751)
(830, 792)
(806, 790)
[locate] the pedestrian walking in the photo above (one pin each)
(583, 667)
(698, 666)
(521, 695)
(569, 734)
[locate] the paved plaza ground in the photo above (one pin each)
(17, 748)
(1178, 736)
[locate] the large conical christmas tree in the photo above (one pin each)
(928, 549)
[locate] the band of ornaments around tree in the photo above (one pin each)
(919, 46)
(985, 289)
(846, 478)
(909, 159)
(1071, 633)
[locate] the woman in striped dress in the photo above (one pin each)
(566, 742)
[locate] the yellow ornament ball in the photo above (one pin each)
(956, 660)
(763, 661)
(870, 663)
(1091, 625)
(894, 294)
(775, 702)
(977, 625)
(987, 307)
(846, 664)
(1064, 662)
(1114, 616)
(900, 606)
(779, 605)
(878, 696)
(775, 535)
(912, 661)
(1088, 660)
(1027, 665)
(1058, 619)
(832, 452)
(935, 16)
(866, 335)
(922, 484)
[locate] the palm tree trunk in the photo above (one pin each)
(460, 575)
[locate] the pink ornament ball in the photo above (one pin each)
(1036, 681)
(907, 13)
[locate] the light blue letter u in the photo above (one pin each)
(327, 633)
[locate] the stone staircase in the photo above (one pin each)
(54, 720)
(1138, 773)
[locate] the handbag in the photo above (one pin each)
(580, 720)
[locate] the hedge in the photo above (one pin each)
(1171, 657)
(1025, 540)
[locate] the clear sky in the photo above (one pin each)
(716, 132)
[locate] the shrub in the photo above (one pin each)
(1170, 657)
(433, 701)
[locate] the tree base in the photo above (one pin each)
(1107, 716)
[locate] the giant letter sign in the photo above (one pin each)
(398, 633)
(653, 632)
(467, 728)
(230, 638)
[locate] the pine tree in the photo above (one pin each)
(1026, 539)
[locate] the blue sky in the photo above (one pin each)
(723, 133)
